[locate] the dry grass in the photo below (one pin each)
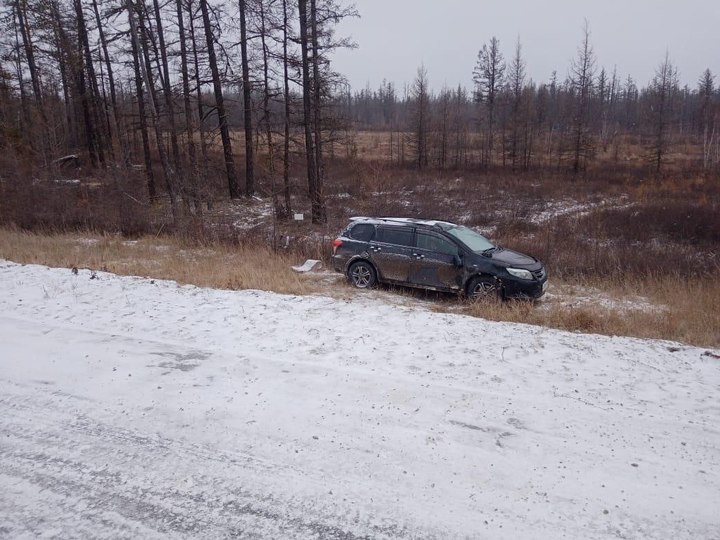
(660, 307)
(657, 308)
(217, 266)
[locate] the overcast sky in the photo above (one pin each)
(395, 36)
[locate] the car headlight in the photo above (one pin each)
(519, 273)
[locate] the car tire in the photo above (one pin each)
(483, 288)
(362, 275)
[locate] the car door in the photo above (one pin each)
(391, 251)
(435, 262)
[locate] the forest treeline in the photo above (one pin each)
(173, 87)
(507, 120)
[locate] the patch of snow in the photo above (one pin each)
(139, 408)
(570, 207)
(592, 297)
(87, 241)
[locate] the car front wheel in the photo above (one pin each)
(362, 275)
(482, 288)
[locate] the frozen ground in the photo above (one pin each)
(140, 409)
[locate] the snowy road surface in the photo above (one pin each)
(139, 409)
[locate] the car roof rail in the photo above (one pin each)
(432, 223)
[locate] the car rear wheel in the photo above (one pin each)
(483, 288)
(362, 275)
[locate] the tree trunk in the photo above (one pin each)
(166, 89)
(91, 100)
(286, 96)
(168, 172)
(202, 171)
(152, 190)
(21, 12)
(307, 107)
(319, 214)
(111, 81)
(247, 108)
(222, 115)
(188, 112)
(278, 210)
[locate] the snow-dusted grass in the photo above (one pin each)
(654, 307)
(216, 265)
(139, 408)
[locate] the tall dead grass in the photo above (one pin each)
(216, 265)
(667, 307)
(684, 310)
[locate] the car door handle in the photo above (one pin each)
(376, 248)
(418, 256)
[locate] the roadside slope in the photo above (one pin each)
(131, 407)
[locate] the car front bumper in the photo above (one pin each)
(522, 288)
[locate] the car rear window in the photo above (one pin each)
(435, 243)
(395, 235)
(363, 232)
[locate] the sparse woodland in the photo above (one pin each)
(179, 105)
(190, 93)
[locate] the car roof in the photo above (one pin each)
(425, 223)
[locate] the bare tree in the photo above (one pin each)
(247, 103)
(488, 76)
(310, 156)
(187, 106)
(286, 111)
(220, 103)
(165, 83)
(139, 34)
(516, 84)
(111, 83)
(707, 115)
(662, 92)
(319, 212)
(443, 121)
(420, 117)
(88, 90)
(582, 72)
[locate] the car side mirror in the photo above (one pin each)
(457, 260)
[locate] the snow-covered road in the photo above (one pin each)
(133, 408)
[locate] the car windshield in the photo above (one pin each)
(473, 240)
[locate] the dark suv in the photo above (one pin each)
(434, 255)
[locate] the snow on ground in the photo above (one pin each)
(568, 207)
(592, 297)
(141, 409)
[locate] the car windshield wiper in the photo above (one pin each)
(488, 251)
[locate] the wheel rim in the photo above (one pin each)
(361, 276)
(483, 289)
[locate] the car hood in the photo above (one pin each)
(508, 257)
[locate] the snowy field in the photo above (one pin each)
(132, 408)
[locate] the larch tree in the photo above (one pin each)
(488, 77)
(223, 124)
(662, 93)
(707, 115)
(582, 72)
(420, 118)
(247, 102)
(516, 85)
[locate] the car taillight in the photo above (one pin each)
(336, 244)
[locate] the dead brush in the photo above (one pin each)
(213, 265)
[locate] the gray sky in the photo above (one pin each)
(395, 36)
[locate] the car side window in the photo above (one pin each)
(363, 232)
(400, 236)
(435, 243)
